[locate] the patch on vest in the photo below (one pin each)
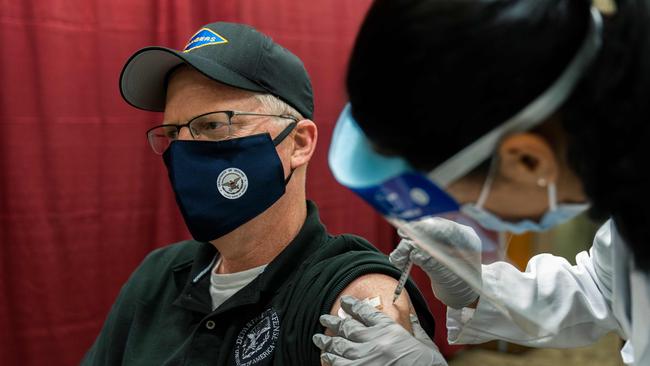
(256, 341)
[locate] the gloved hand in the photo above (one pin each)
(370, 337)
(458, 243)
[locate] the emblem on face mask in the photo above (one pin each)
(256, 341)
(232, 183)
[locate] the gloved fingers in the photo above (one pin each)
(331, 322)
(348, 328)
(424, 260)
(419, 333)
(435, 228)
(321, 341)
(334, 360)
(338, 346)
(364, 313)
(400, 256)
(447, 232)
(407, 250)
(438, 271)
(403, 234)
(355, 331)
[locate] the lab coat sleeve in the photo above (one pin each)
(571, 304)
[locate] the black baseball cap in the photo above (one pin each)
(230, 53)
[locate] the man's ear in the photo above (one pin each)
(527, 158)
(304, 143)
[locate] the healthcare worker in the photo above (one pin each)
(517, 115)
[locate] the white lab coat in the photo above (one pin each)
(602, 293)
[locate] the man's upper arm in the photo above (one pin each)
(382, 286)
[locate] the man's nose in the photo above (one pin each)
(184, 134)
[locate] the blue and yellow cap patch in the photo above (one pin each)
(204, 37)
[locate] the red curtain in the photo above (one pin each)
(82, 198)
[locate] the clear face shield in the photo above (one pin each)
(407, 198)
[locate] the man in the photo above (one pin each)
(236, 139)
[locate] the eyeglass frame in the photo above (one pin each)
(230, 115)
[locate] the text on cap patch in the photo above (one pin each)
(204, 37)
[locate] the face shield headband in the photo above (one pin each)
(398, 191)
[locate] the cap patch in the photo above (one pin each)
(204, 37)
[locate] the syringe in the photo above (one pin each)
(402, 280)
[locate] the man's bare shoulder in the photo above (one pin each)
(379, 285)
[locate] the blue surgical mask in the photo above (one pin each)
(556, 215)
(221, 185)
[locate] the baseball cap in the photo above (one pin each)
(230, 53)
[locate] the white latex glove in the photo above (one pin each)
(459, 243)
(370, 337)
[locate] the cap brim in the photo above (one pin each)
(143, 78)
(353, 161)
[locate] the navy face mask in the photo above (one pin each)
(221, 185)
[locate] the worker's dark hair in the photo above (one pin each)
(429, 77)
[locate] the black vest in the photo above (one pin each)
(163, 314)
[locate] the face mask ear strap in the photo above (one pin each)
(286, 181)
(278, 140)
(283, 135)
(552, 196)
(485, 191)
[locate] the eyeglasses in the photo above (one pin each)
(212, 126)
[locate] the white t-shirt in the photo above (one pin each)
(223, 286)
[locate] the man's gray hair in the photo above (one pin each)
(273, 105)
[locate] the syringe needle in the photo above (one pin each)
(402, 280)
